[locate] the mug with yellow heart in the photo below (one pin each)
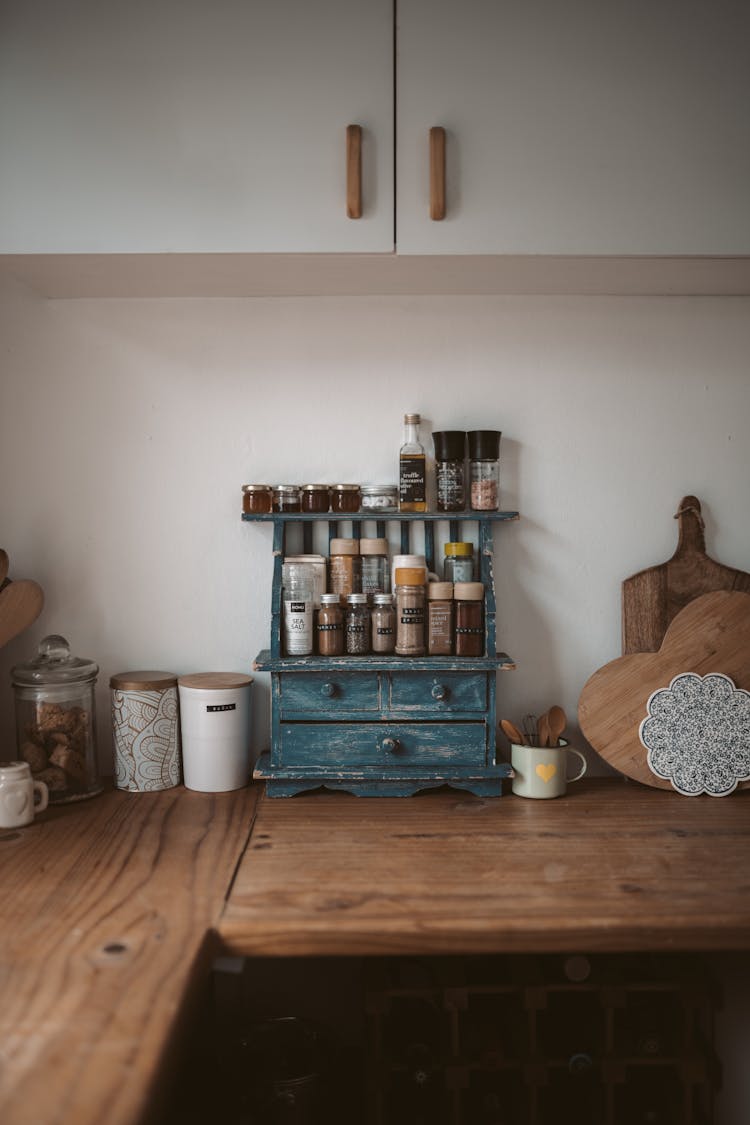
(20, 795)
(541, 771)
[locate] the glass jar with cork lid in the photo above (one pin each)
(55, 720)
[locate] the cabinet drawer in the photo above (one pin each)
(389, 745)
(328, 693)
(447, 691)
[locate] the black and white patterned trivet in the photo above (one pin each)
(697, 734)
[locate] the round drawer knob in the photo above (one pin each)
(328, 690)
(440, 692)
(391, 745)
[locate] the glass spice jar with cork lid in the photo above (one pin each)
(345, 567)
(376, 578)
(330, 626)
(469, 598)
(439, 618)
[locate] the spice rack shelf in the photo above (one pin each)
(383, 725)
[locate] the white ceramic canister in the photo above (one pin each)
(215, 725)
(145, 730)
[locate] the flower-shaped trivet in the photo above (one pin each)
(697, 734)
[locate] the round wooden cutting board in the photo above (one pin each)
(712, 634)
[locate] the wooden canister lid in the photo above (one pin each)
(468, 591)
(439, 591)
(344, 546)
(143, 681)
(214, 681)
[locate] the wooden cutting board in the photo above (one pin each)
(652, 598)
(712, 634)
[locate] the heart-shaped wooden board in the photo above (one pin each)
(712, 634)
(20, 604)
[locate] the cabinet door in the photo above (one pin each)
(587, 127)
(193, 126)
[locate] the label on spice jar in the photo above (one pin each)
(412, 480)
(298, 617)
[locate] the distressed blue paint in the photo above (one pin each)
(383, 726)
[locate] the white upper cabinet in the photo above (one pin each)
(583, 127)
(193, 126)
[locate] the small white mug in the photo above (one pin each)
(20, 795)
(541, 772)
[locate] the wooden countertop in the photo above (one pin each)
(114, 907)
(614, 866)
(105, 935)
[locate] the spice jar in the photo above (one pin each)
(383, 621)
(55, 720)
(311, 569)
(376, 578)
(484, 469)
(146, 730)
(345, 498)
(450, 457)
(406, 561)
(314, 498)
(458, 565)
(357, 625)
(330, 627)
(286, 498)
(345, 568)
(410, 611)
(440, 618)
(379, 498)
(469, 597)
(297, 601)
(257, 499)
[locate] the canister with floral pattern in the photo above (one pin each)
(146, 730)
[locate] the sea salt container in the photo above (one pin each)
(215, 730)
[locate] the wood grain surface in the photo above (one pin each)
(712, 634)
(106, 929)
(652, 598)
(609, 867)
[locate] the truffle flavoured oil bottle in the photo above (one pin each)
(412, 472)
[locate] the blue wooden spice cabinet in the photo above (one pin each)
(383, 726)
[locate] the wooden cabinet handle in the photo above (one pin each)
(354, 171)
(328, 690)
(437, 172)
(440, 692)
(391, 745)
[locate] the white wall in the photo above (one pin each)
(128, 427)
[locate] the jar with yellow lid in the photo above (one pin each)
(458, 565)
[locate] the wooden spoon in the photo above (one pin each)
(512, 733)
(557, 722)
(542, 731)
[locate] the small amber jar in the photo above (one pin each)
(345, 498)
(315, 498)
(286, 498)
(469, 597)
(440, 619)
(257, 499)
